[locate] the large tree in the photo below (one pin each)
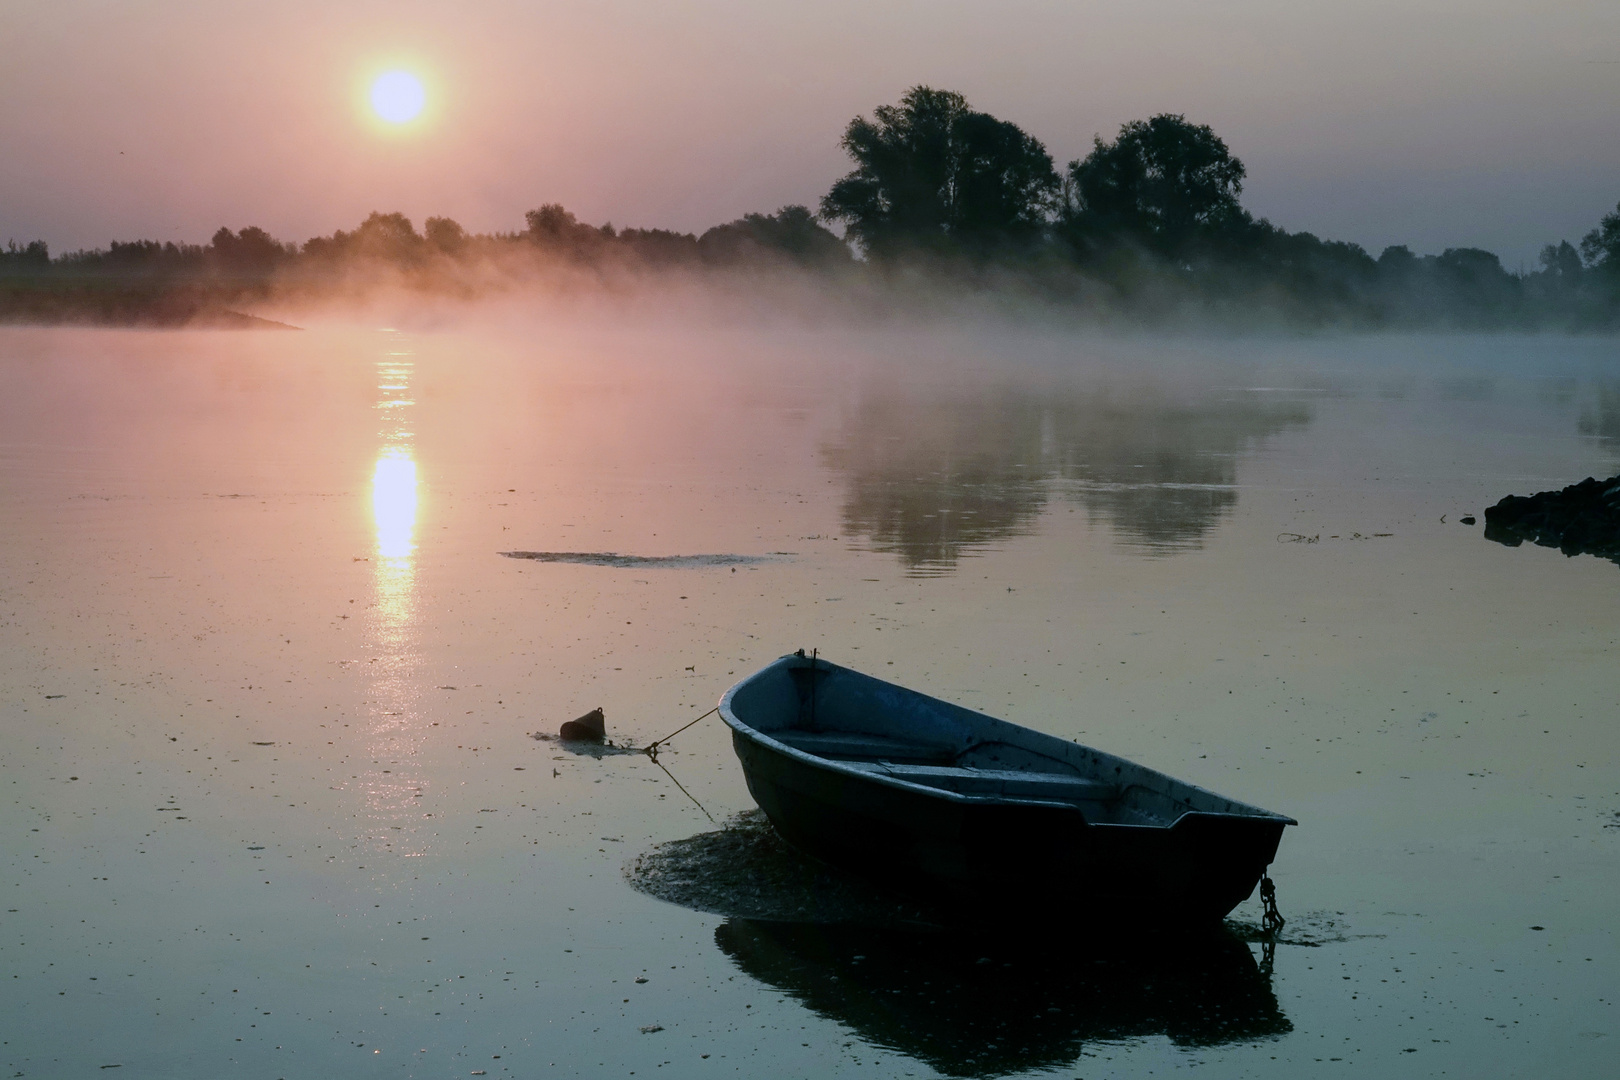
(1601, 246)
(931, 171)
(1163, 183)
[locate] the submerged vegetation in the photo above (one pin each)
(1147, 227)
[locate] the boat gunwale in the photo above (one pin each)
(739, 726)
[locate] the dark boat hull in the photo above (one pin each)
(1003, 854)
(1016, 854)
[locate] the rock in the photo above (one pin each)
(592, 727)
(1583, 518)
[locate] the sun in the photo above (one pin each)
(398, 97)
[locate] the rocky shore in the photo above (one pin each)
(1582, 519)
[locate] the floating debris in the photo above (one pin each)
(588, 748)
(592, 727)
(628, 562)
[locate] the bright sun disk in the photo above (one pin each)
(397, 96)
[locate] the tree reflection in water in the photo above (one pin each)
(1601, 418)
(933, 475)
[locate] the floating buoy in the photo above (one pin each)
(592, 727)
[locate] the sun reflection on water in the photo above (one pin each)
(393, 501)
(395, 691)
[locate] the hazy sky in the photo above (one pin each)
(1434, 123)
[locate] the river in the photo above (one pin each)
(268, 690)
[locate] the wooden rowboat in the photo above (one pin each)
(967, 809)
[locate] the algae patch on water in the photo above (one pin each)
(638, 562)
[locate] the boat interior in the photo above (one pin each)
(886, 731)
(966, 773)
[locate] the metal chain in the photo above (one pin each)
(1272, 921)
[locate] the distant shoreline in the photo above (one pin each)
(222, 319)
(145, 305)
(1146, 230)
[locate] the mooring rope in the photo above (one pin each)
(688, 794)
(652, 751)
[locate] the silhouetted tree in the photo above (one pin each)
(1395, 259)
(1555, 291)
(553, 227)
(660, 246)
(387, 236)
(1462, 286)
(1005, 185)
(252, 249)
(1601, 246)
(31, 257)
(444, 234)
(1472, 266)
(1479, 284)
(1561, 261)
(791, 233)
(900, 190)
(1163, 183)
(137, 258)
(551, 222)
(390, 237)
(1320, 281)
(930, 169)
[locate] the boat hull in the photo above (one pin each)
(1023, 856)
(960, 808)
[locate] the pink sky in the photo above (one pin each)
(1424, 122)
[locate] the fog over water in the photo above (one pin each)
(268, 687)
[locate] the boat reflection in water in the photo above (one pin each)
(988, 1006)
(967, 1001)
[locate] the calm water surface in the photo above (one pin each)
(267, 686)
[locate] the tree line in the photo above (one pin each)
(1148, 223)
